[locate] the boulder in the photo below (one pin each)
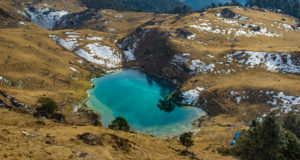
(227, 13)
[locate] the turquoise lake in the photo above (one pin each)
(134, 95)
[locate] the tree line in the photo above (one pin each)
(134, 5)
(290, 7)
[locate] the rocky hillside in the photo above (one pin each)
(235, 63)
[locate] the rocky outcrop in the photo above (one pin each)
(75, 20)
(115, 141)
(227, 13)
(46, 18)
(155, 54)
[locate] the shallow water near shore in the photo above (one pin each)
(134, 95)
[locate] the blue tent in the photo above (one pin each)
(233, 143)
(237, 135)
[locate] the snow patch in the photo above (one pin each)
(210, 56)
(199, 66)
(95, 53)
(129, 53)
(22, 23)
(71, 33)
(275, 62)
(119, 16)
(191, 97)
(106, 53)
(73, 69)
(284, 102)
(95, 38)
(69, 44)
(4, 80)
(208, 29)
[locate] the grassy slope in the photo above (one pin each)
(59, 141)
(28, 54)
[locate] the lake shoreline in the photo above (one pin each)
(89, 105)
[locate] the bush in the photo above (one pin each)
(186, 140)
(97, 123)
(4, 14)
(291, 122)
(47, 105)
(119, 124)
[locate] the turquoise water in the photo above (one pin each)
(134, 96)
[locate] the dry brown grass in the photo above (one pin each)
(29, 55)
(59, 141)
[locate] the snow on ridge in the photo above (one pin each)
(94, 52)
(237, 16)
(180, 58)
(251, 33)
(208, 29)
(199, 66)
(284, 102)
(191, 97)
(129, 46)
(22, 23)
(210, 56)
(45, 17)
(104, 52)
(95, 38)
(274, 62)
(71, 33)
(194, 35)
(4, 80)
(69, 44)
(129, 54)
(119, 16)
(279, 101)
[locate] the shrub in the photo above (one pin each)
(4, 13)
(119, 124)
(97, 123)
(291, 122)
(186, 140)
(47, 105)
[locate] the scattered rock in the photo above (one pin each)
(255, 28)
(149, 23)
(28, 134)
(117, 142)
(90, 139)
(74, 20)
(81, 154)
(182, 33)
(40, 122)
(2, 104)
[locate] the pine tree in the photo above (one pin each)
(186, 140)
